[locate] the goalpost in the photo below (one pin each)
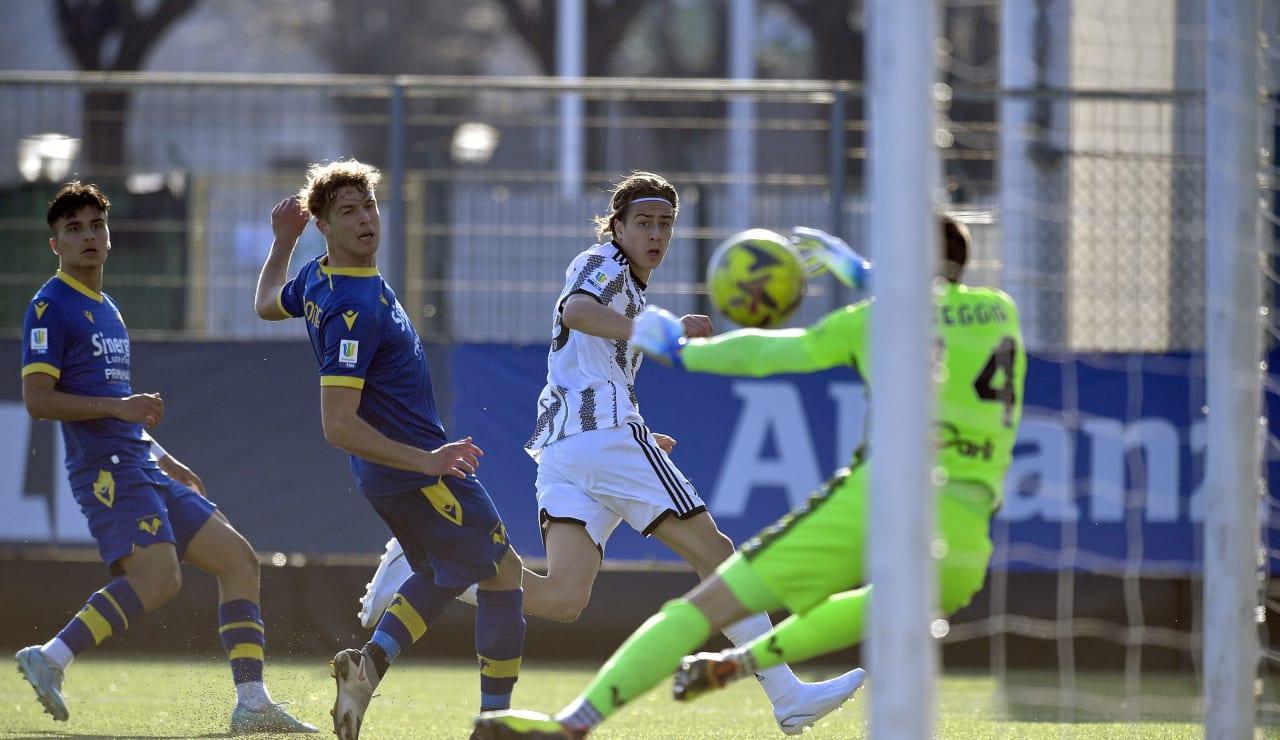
(1233, 362)
(904, 174)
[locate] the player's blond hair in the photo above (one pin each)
(326, 181)
(637, 185)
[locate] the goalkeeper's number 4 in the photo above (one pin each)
(1000, 362)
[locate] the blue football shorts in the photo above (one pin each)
(131, 508)
(450, 529)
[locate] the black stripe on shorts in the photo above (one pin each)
(681, 501)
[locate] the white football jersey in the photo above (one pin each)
(591, 382)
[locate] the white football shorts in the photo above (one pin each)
(601, 477)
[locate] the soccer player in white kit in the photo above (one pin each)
(599, 464)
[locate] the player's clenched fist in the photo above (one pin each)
(696, 325)
(288, 219)
(145, 408)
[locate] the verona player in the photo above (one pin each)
(377, 404)
(146, 509)
(811, 562)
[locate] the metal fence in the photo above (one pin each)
(490, 184)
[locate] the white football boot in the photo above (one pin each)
(392, 571)
(813, 701)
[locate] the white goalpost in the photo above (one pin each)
(1233, 362)
(904, 174)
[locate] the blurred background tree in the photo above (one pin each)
(112, 36)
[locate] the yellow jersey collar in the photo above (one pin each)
(79, 286)
(348, 271)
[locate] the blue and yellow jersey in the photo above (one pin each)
(78, 336)
(363, 339)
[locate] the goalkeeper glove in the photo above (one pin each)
(822, 251)
(658, 333)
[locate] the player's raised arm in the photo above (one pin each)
(288, 219)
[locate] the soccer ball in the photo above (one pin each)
(756, 278)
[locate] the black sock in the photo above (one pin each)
(379, 657)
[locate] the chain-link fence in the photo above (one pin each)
(490, 185)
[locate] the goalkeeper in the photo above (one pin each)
(811, 561)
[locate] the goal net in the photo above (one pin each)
(1102, 225)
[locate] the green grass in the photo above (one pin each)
(136, 698)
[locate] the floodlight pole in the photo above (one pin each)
(741, 153)
(570, 27)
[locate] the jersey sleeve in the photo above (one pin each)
(596, 275)
(837, 339)
(348, 338)
(44, 339)
(289, 299)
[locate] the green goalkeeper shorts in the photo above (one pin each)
(819, 549)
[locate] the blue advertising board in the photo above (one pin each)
(1108, 472)
(1107, 477)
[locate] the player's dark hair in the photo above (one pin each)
(955, 248)
(638, 184)
(326, 181)
(70, 198)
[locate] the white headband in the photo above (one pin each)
(651, 198)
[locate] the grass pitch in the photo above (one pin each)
(169, 698)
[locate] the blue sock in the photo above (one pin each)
(244, 637)
(109, 610)
(499, 644)
(418, 603)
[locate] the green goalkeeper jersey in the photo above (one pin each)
(980, 373)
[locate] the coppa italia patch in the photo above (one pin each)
(348, 351)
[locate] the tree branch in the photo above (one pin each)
(142, 32)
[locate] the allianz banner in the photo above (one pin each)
(1108, 472)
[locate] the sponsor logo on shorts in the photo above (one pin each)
(149, 524)
(104, 488)
(443, 501)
